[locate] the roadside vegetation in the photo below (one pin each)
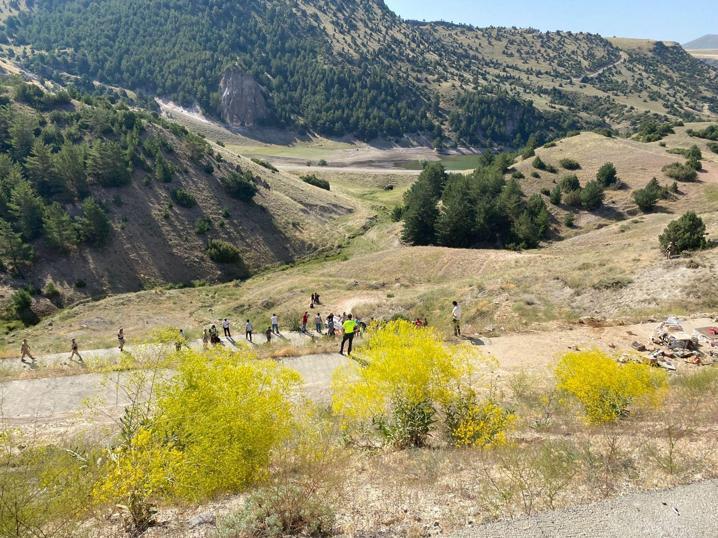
(229, 423)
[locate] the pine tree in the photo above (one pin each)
(107, 165)
(27, 208)
(95, 227)
(22, 135)
(455, 226)
(15, 254)
(41, 171)
(60, 231)
(420, 215)
(70, 166)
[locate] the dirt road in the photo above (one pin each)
(684, 512)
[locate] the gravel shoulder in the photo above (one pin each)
(684, 512)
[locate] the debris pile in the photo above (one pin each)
(675, 343)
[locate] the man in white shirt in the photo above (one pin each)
(225, 326)
(275, 324)
(248, 329)
(456, 318)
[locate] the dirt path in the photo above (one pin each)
(52, 401)
(684, 512)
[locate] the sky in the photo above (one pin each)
(667, 20)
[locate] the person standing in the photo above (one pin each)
(275, 324)
(268, 333)
(456, 318)
(305, 320)
(181, 340)
(205, 339)
(121, 340)
(225, 326)
(75, 351)
(248, 329)
(330, 324)
(214, 335)
(318, 323)
(25, 352)
(349, 327)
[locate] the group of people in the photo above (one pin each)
(347, 323)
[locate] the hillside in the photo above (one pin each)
(707, 42)
(347, 67)
(97, 199)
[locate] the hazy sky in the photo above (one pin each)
(674, 20)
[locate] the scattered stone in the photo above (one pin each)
(205, 518)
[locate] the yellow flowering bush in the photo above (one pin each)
(213, 430)
(409, 371)
(605, 388)
(471, 423)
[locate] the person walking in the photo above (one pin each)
(349, 327)
(225, 326)
(75, 351)
(275, 324)
(318, 323)
(331, 331)
(456, 318)
(205, 339)
(305, 320)
(181, 340)
(121, 340)
(248, 328)
(25, 352)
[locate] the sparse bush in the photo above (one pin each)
(518, 175)
(569, 183)
(240, 185)
(572, 198)
(709, 133)
(222, 252)
(265, 164)
(569, 220)
(539, 164)
(592, 195)
(535, 175)
(680, 172)
(606, 389)
(713, 146)
(555, 195)
(471, 423)
(203, 225)
(607, 175)
(685, 234)
(647, 197)
(570, 164)
(184, 198)
(317, 182)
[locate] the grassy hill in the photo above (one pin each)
(161, 195)
(609, 266)
(340, 67)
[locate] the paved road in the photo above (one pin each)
(685, 512)
(49, 400)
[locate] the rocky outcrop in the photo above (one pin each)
(243, 103)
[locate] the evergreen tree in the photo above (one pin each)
(420, 214)
(60, 231)
(41, 171)
(455, 225)
(27, 208)
(22, 135)
(70, 166)
(607, 175)
(592, 195)
(95, 227)
(107, 165)
(15, 254)
(686, 233)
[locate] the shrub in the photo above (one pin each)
(592, 195)
(647, 197)
(607, 175)
(709, 133)
(535, 175)
(397, 213)
(240, 186)
(282, 510)
(265, 164)
(713, 146)
(555, 195)
(202, 225)
(569, 164)
(471, 423)
(317, 182)
(606, 389)
(409, 372)
(21, 307)
(222, 252)
(569, 183)
(184, 198)
(538, 164)
(518, 175)
(572, 198)
(680, 172)
(686, 233)
(569, 220)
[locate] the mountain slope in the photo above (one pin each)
(353, 66)
(96, 199)
(707, 42)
